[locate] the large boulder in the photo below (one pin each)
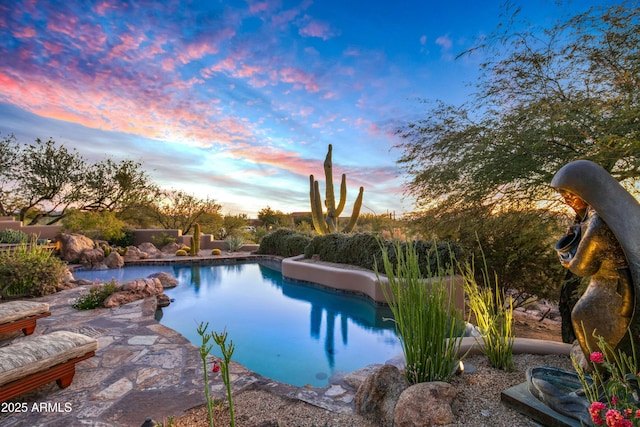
(114, 260)
(425, 404)
(71, 246)
(377, 396)
(150, 250)
(167, 280)
(134, 290)
(134, 254)
(92, 258)
(170, 249)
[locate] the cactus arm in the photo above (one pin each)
(355, 213)
(343, 196)
(330, 200)
(316, 207)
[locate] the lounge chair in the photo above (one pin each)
(30, 362)
(16, 315)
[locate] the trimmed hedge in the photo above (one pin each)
(361, 249)
(283, 242)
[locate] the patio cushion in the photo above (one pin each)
(15, 310)
(34, 354)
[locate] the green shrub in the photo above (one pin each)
(128, 239)
(517, 245)
(97, 225)
(270, 244)
(364, 250)
(181, 252)
(96, 296)
(12, 236)
(29, 270)
(426, 319)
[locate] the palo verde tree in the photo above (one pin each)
(546, 97)
(178, 209)
(43, 181)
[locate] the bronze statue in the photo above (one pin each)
(604, 247)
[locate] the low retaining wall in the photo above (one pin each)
(353, 280)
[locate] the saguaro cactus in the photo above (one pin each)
(195, 240)
(329, 223)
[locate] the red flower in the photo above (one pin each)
(616, 419)
(614, 400)
(594, 411)
(596, 357)
(216, 366)
(638, 413)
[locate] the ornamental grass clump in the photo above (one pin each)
(613, 388)
(425, 316)
(29, 270)
(493, 316)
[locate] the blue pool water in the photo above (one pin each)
(289, 331)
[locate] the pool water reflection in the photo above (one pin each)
(286, 330)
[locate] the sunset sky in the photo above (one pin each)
(238, 100)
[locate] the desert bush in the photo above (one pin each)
(96, 225)
(517, 245)
(13, 236)
(29, 270)
(127, 239)
(234, 243)
(96, 296)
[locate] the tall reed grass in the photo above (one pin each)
(493, 316)
(425, 316)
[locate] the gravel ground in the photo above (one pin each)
(477, 403)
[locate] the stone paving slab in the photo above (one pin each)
(141, 369)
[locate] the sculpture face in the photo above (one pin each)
(576, 203)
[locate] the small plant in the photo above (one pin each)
(493, 317)
(12, 236)
(613, 387)
(181, 252)
(227, 352)
(216, 251)
(96, 296)
(425, 316)
(234, 243)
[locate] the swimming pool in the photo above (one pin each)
(286, 330)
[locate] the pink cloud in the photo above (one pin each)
(317, 29)
(133, 110)
(444, 42)
(24, 33)
(299, 79)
